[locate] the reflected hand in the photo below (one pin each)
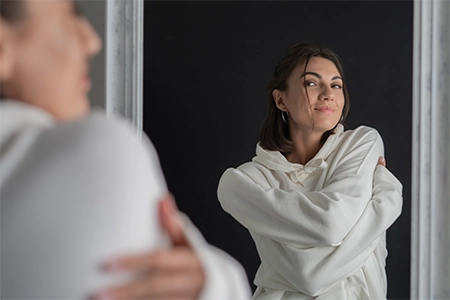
(381, 161)
(175, 273)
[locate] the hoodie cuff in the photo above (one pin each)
(224, 276)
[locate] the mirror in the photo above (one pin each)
(205, 68)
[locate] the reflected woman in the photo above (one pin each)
(313, 198)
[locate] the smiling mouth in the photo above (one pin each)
(325, 109)
(86, 82)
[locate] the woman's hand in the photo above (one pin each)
(175, 273)
(381, 161)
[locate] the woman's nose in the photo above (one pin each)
(92, 41)
(327, 93)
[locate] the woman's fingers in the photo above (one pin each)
(171, 221)
(163, 260)
(176, 273)
(382, 161)
(180, 277)
(167, 286)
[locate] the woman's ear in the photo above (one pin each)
(6, 51)
(278, 97)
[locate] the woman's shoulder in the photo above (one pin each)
(361, 135)
(251, 170)
(359, 146)
(98, 126)
(362, 131)
(95, 132)
(97, 142)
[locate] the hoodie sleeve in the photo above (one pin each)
(314, 270)
(318, 238)
(308, 219)
(85, 192)
(225, 277)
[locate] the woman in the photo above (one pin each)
(312, 198)
(79, 191)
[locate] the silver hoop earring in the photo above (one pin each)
(282, 116)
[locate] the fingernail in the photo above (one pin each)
(105, 295)
(381, 159)
(173, 208)
(112, 265)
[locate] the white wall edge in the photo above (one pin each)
(430, 230)
(124, 60)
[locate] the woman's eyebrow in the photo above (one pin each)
(319, 76)
(313, 74)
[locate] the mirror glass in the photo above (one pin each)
(206, 64)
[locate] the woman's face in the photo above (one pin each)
(46, 58)
(314, 98)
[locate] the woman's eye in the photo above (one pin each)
(336, 86)
(310, 83)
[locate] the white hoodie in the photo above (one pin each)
(76, 194)
(319, 228)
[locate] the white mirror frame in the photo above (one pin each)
(430, 232)
(430, 220)
(124, 59)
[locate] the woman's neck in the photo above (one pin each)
(306, 146)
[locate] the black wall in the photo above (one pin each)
(206, 65)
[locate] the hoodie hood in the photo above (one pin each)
(276, 161)
(16, 116)
(20, 124)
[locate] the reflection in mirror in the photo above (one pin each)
(205, 68)
(313, 198)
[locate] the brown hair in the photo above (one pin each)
(274, 132)
(11, 10)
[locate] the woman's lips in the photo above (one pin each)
(86, 82)
(325, 109)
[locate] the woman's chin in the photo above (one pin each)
(326, 126)
(73, 111)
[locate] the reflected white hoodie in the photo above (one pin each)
(76, 194)
(319, 228)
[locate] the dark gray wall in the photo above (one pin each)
(95, 12)
(206, 65)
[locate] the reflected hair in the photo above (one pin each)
(274, 135)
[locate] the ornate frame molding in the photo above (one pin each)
(124, 60)
(430, 230)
